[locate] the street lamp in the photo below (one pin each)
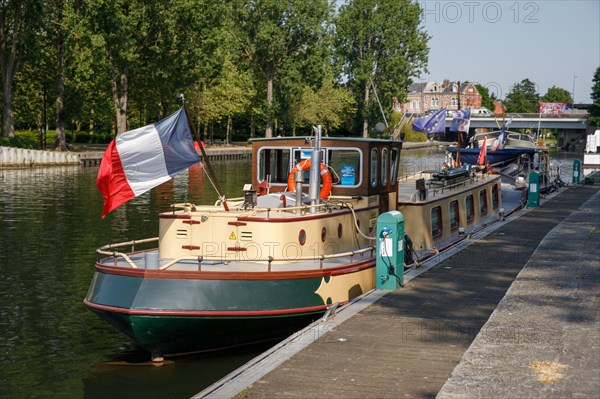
(573, 93)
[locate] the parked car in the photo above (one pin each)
(484, 112)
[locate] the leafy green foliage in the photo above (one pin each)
(557, 95)
(487, 100)
(370, 49)
(327, 106)
(523, 98)
(125, 62)
(594, 111)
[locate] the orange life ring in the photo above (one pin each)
(325, 175)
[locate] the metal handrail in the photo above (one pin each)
(270, 259)
(103, 251)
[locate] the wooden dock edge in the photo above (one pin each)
(244, 376)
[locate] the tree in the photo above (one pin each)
(229, 96)
(487, 100)
(380, 42)
(594, 111)
(327, 106)
(19, 22)
(523, 98)
(557, 95)
(283, 39)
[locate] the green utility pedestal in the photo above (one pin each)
(576, 170)
(533, 193)
(389, 272)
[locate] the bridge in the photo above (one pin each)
(570, 129)
(530, 121)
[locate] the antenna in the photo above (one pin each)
(378, 102)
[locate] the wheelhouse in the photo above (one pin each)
(359, 167)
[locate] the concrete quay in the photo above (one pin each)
(462, 312)
(543, 339)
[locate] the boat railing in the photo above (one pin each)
(302, 209)
(109, 251)
(442, 189)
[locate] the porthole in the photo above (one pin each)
(340, 230)
(323, 234)
(302, 237)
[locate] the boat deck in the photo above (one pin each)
(407, 191)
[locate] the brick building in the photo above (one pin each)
(426, 96)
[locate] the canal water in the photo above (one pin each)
(51, 346)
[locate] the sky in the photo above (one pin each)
(500, 43)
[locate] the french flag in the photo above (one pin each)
(141, 159)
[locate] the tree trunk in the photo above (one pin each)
(252, 127)
(60, 92)
(366, 112)
(7, 114)
(269, 130)
(229, 127)
(119, 93)
(9, 63)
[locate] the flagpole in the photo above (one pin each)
(539, 121)
(458, 134)
(210, 171)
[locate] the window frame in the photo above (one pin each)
(440, 231)
(374, 167)
(454, 204)
(385, 160)
(483, 205)
(470, 210)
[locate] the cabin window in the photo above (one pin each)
(384, 166)
(469, 208)
(346, 163)
(495, 197)
(483, 207)
(274, 164)
(395, 156)
(436, 222)
(373, 176)
(454, 218)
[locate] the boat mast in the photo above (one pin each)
(458, 133)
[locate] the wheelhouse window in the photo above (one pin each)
(454, 218)
(373, 175)
(274, 164)
(346, 163)
(469, 208)
(384, 166)
(495, 197)
(395, 157)
(436, 222)
(483, 207)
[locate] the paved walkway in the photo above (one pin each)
(543, 339)
(408, 343)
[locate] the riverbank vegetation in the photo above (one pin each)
(247, 67)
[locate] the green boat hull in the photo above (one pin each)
(172, 316)
(171, 335)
